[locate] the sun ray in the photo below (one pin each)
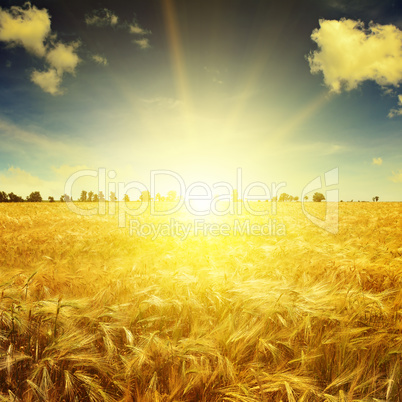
(178, 59)
(299, 118)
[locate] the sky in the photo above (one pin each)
(272, 91)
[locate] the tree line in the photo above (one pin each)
(90, 196)
(33, 197)
(317, 197)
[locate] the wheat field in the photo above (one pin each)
(90, 311)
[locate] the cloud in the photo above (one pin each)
(29, 144)
(396, 112)
(22, 183)
(136, 29)
(349, 54)
(142, 43)
(49, 81)
(100, 59)
(377, 161)
(30, 28)
(396, 176)
(63, 58)
(27, 27)
(106, 17)
(102, 17)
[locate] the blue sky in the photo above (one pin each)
(286, 91)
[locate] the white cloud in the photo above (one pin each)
(136, 29)
(30, 28)
(102, 17)
(27, 27)
(348, 54)
(377, 161)
(106, 17)
(63, 58)
(396, 176)
(142, 43)
(22, 183)
(28, 143)
(49, 81)
(100, 59)
(396, 112)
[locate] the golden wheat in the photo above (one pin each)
(90, 312)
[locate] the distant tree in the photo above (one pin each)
(96, 198)
(146, 196)
(90, 196)
(305, 198)
(15, 198)
(3, 196)
(158, 197)
(83, 196)
(65, 198)
(112, 196)
(126, 198)
(274, 199)
(296, 198)
(291, 198)
(101, 196)
(51, 199)
(318, 197)
(284, 197)
(34, 197)
(376, 198)
(163, 199)
(171, 196)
